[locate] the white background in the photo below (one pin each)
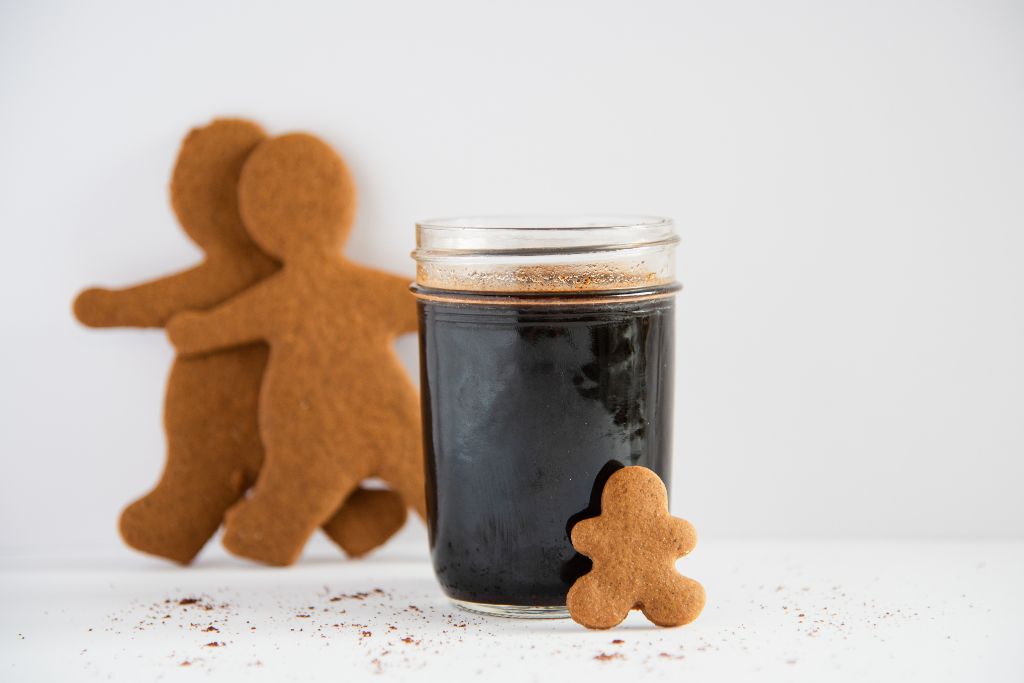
(847, 178)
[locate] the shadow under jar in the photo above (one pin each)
(546, 360)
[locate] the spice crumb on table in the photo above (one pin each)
(937, 612)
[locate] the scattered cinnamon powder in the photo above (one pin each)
(390, 632)
(605, 657)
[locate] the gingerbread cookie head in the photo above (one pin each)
(204, 187)
(634, 544)
(296, 195)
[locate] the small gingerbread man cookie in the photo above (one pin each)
(634, 544)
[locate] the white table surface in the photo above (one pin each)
(850, 611)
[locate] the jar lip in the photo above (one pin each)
(545, 253)
(531, 222)
(538, 234)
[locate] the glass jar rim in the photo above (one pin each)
(539, 234)
(531, 254)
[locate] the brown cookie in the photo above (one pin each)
(634, 544)
(336, 406)
(210, 412)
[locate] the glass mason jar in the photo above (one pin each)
(546, 360)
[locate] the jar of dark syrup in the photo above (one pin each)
(546, 360)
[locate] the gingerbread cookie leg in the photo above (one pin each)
(358, 525)
(211, 454)
(673, 602)
(401, 450)
(299, 488)
(366, 520)
(597, 605)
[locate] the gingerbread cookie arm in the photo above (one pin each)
(684, 535)
(242, 320)
(150, 304)
(399, 309)
(585, 534)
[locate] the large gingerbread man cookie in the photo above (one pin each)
(634, 544)
(214, 453)
(336, 406)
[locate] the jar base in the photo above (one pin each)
(514, 611)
